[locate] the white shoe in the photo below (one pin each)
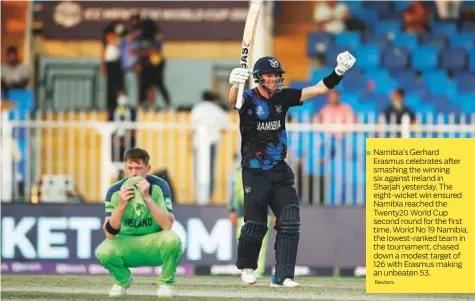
(164, 291)
(287, 283)
(117, 291)
(248, 276)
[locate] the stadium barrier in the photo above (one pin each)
(62, 239)
(328, 160)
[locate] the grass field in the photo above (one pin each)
(201, 288)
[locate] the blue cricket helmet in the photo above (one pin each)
(268, 64)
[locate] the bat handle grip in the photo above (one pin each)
(239, 100)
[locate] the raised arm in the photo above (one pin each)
(237, 76)
(345, 62)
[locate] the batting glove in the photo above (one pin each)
(238, 76)
(345, 62)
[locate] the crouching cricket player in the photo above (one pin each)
(137, 227)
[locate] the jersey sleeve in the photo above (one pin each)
(292, 97)
(164, 189)
(111, 201)
(247, 101)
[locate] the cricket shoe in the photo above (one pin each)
(119, 291)
(286, 283)
(248, 276)
(164, 291)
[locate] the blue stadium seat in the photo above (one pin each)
(370, 16)
(410, 41)
(368, 56)
(393, 27)
(318, 43)
(454, 59)
(377, 73)
(378, 5)
(354, 81)
(416, 87)
(465, 82)
(384, 86)
(388, 15)
(472, 60)
(468, 106)
(463, 40)
(401, 5)
(403, 77)
(352, 99)
(332, 53)
(434, 40)
(412, 100)
(436, 76)
(425, 57)
(318, 74)
(349, 40)
(444, 28)
(468, 27)
(463, 98)
(380, 39)
(353, 5)
(395, 58)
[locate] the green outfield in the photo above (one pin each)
(214, 288)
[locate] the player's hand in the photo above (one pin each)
(144, 187)
(125, 194)
(233, 218)
(238, 76)
(345, 62)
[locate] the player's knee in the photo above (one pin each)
(289, 220)
(253, 230)
(104, 252)
(171, 240)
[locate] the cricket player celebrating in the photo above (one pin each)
(267, 179)
(137, 226)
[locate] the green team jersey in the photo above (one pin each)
(140, 222)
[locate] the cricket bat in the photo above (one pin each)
(247, 41)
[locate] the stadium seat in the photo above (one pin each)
(318, 43)
(454, 59)
(380, 39)
(354, 81)
(378, 5)
(368, 56)
(386, 27)
(377, 73)
(401, 5)
(350, 40)
(436, 76)
(424, 58)
(352, 99)
(468, 26)
(353, 5)
(444, 28)
(434, 40)
(463, 97)
(370, 16)
(468, 106)
(472, 60)
(403, 77)
(463, 40)
(388, 15)
(412, 100)
(465, 82)
(395, 58)
(384, 86)
(318, 74)
(409, 41)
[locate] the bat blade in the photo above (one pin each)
(247, 41)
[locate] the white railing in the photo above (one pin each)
(328, 160)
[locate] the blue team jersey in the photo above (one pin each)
(262, 126)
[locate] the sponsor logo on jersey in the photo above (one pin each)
(247, 189)
(268, 125)
(278, 108)
(259, 111)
